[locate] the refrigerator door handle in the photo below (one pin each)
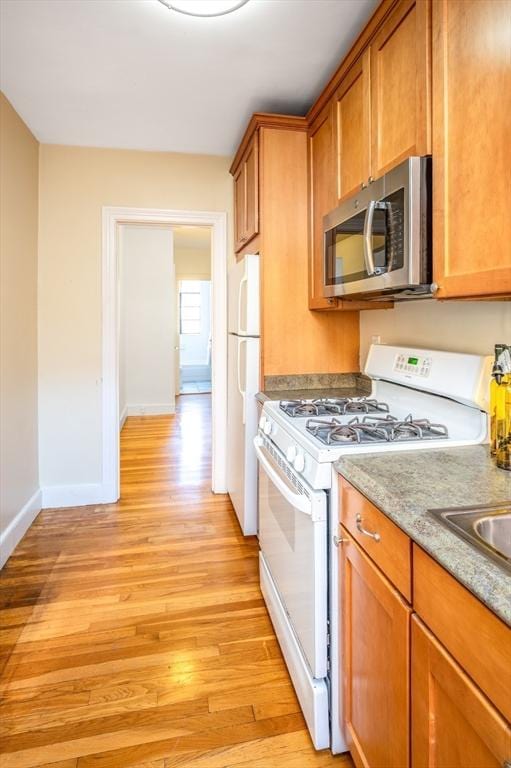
(243, 284)
(240, 390)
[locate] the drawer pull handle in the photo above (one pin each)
(375, 536)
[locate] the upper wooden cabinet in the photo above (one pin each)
(472, 147)
(246, 196)
(314, 343)
(321, 200)
(400, 86)
(353, 129)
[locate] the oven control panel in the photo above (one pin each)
(415, 365)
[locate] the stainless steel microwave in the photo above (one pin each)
(377, 244)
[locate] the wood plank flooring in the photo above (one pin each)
(135, 634)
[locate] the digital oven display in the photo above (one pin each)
(413, 361)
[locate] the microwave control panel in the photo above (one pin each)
(414, 365)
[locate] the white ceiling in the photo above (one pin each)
(133, 74)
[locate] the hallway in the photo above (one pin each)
(135, 634)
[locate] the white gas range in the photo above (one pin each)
(419, 399)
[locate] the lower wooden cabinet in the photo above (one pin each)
(411, 697)
(453, 723)
(376, 662)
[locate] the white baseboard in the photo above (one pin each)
(17, 528)
(124, 416)
(73, 495)
(151, 409)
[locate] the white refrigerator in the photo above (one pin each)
(242, 386)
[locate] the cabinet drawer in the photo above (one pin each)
(383, 541)
(479, 641)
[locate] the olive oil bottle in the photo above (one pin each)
(500, 407)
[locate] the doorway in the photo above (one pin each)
(194, 323)
(113, 220)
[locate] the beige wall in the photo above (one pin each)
(147, 321)
(460, 326)
(192, 263)
(74, 185)
(19, 474)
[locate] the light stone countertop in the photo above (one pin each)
(405, 485)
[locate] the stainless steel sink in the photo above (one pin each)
(487, 528)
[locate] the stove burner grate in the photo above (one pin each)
(375, 429)
(336, 405)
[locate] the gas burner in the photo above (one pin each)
(337, 405)
(296, 408)
(375, 429)
(334, 433)
(365, 405)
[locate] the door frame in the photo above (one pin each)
(112, 217)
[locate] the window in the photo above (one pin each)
(189, 307)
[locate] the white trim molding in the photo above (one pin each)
(12, 535)
(80, 495)
(150, 409)
(112, 218)
(123, 417)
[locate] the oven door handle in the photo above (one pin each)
(368, 238)
(298, 500)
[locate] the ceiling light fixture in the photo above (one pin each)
(204, 7)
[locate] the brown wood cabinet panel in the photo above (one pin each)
(392, 552)
(353, 124)
(400, 86)
(239, 207)
(294, 339)
(375, 662)
(246, 196)
(322, 199)
(472, 147)
(453, 724)
(477, 639)
(252, 190)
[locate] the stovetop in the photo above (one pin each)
(411, 410)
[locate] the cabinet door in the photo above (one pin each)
(353, 105)
(400, 86)
(252, 190)
(246, 196)
(453, 724)
(322, 198)
(471, 146)
(375, 663)
(239, 207)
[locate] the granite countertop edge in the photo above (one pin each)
(310, 394)
(482, 576)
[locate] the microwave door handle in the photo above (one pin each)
(368, 238)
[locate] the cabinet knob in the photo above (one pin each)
(363, 185)
(371, 179)
(339, 540)
(434, 288)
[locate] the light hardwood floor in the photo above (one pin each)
(135, 634)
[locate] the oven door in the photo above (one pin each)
(293, 541)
